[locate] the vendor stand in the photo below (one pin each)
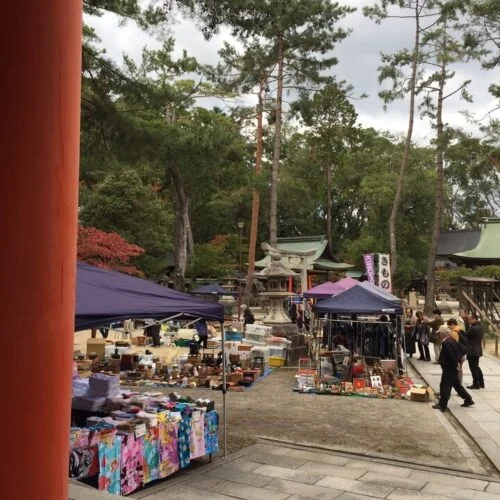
(364, 325)
(129, 442)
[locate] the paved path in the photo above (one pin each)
(482, 421)
(273, 471)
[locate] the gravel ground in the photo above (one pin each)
(402, 430)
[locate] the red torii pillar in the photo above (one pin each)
(40, 47)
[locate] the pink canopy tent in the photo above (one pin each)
(328, 288)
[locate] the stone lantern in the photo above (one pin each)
(275, 276)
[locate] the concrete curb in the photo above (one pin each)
(484, 442)
(381, 459)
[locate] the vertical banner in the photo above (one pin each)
(370, 267)
(384, 272)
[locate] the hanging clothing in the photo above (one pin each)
(83, 462)
(211, 432)
(109, 465)
(197, 435)
(151, 455)
(132, 463)
(169, 458)
(184, 438)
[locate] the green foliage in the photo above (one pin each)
(216, 259)
(145, 134)
(124, 204)
(454, 275)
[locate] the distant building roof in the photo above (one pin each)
(488, 248)
(323, 258)
(452, 242)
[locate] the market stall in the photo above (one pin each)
(363, 326)
(122, 430)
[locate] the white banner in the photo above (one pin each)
(384, 272)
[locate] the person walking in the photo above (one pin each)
(474, 335)
(458, 335)
(435, 338)
(449, 359)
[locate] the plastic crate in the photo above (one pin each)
(233, 336)
(256, 337)
(276, 362)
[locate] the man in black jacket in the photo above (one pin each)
(474, 335)
(449, 359)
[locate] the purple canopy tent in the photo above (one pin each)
(328, 288)
(104, 297)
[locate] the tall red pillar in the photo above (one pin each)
(40, 47)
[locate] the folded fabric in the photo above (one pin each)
(104, 385)
(88, 403)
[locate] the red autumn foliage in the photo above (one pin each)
(107, 250)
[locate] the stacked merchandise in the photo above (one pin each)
(352, 377)
(140, 444)
(92, 396)
(272, 349)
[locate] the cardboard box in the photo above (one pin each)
(235, 377)
(84, 365)
(97, 346)
(420, 394)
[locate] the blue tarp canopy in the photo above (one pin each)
(358, 300)
(212, 289)
(380, 292)
(104, 297)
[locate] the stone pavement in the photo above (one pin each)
(274, 471)
(481, 421)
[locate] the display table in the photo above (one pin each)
(127, 440)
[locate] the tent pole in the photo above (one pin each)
(224, 389)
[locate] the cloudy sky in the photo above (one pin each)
(359, 58)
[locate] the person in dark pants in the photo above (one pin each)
(449, 359)
(474, 335)
(421, 334)
(153, 331)
(202, 331)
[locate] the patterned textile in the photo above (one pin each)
(184, 437)
(151, 454)
(109, 464)
(197, 435)
(78, 437)
(83, 462)
(211, 432)
(169, 458)
(132, 463)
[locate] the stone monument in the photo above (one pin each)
(275, 275)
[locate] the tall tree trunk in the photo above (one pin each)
(438, 212)
(183, 234)
(329, 186)
(407, 146)
(182, 230)
(273, 210)
(256, 195)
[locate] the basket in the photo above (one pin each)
(276, 362)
